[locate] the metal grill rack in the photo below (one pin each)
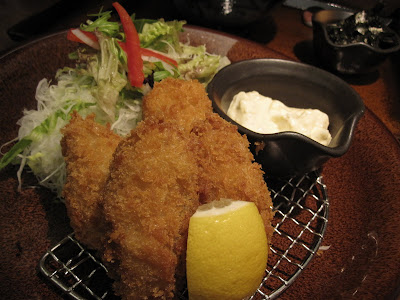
(76, 271)
(301, 215)
(301, 208)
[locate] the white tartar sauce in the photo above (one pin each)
(264, 115)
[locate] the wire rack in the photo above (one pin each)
(301, 215)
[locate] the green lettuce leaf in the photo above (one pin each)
(102, 24)
(109, 73)
(161, 35)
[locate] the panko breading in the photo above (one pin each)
(179, 101)
(88, 148)
(227, 169)
(149, 197)
(182, 155)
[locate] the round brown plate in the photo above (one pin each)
(361, 259)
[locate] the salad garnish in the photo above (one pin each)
(116, 64)
(132, 47)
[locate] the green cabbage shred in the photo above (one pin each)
(99, 84)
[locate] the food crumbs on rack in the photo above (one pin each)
(322, 249)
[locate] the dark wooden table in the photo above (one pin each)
(380, 90)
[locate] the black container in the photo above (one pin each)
(355, 58)
(296, 85)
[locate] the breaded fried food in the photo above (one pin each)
(88, 148)
(226, 164)
(180, 101)
(134, 201)
(227, 169)
(149, 197)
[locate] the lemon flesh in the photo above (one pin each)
(227, 251)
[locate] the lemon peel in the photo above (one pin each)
(227, 251)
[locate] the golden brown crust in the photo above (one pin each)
(179, 101)
(148, 200)
(181, 155)
(219, 148)
(87, 147)
(227, 169)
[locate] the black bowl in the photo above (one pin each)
(296, 85)
(353, 58)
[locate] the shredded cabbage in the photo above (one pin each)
(98, 84)
(197, 63)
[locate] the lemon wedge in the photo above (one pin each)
(227, 251)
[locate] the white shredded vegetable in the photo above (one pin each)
(99, 85)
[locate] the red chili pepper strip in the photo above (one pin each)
(84, 37)
(135, 62)
(148, 52)
(122, 45)
(72, 37)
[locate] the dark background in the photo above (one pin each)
(24, 20)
